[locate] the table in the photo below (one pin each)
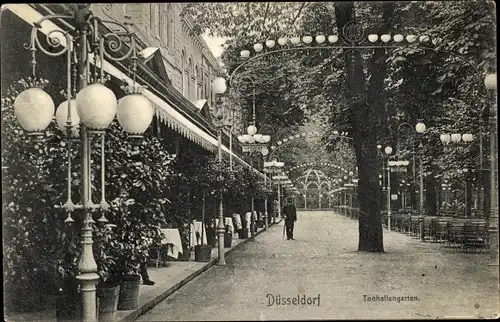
(172, 237)
(237, 221)
(248, 219)
(196, 227)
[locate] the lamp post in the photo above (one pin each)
(413, 166)
(454, 141)
(251, 143)
(464, 172)
(274, 167)
(255, 142)
(219, 87)
(490, 83)
(388, 151)
(420, 128)
(89, 109)
(280, 179)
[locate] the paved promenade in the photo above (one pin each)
(429, 280)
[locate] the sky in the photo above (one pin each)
(214, 43)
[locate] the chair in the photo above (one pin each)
(429, 228)
(441, 233)
(414, 226)
(455, 233)
(475, 236)
(406, 224)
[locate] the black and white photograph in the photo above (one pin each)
(249, 161)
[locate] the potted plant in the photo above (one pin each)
(108, 288)
(202, 252)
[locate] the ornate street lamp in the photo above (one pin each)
(274, 167)
(219, 87)
(279, 180)
(453, 141)
(490, 82)
(89, 109)
(251, 143)
(420, 129)
(388, 152)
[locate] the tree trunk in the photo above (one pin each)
(430, 196)
(367, 116)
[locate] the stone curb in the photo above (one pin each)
(134, 314)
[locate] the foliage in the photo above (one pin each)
(369, 99)
(138, 177)
(36, 236)
(39, 247)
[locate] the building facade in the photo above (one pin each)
(177, 78)
(188, 61)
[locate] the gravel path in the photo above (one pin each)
(430, 281)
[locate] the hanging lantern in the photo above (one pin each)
(251, 130)
(282, 41)
(270, 43)
(372, 38)
(320, 39)
(490, 81)
(34, 109)
(96, 106)
(385, 37)
(135, 113)
(333, 38)
(420, 127)
(62, 117)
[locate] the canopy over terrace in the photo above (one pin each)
(161, 93)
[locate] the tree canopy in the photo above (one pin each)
(366, 93)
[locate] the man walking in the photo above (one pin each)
(290, 214)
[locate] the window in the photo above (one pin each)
(170, 26)
(185, 83)
(151, 16)
(202, 87)
(154, 19)
(205, 86)
(195, 81)
(184, 72)
(162, 25)
(190, 78)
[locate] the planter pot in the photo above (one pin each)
(228, 240)
(108, 301)
(129, 293)
(202, 253)
(184, 257)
